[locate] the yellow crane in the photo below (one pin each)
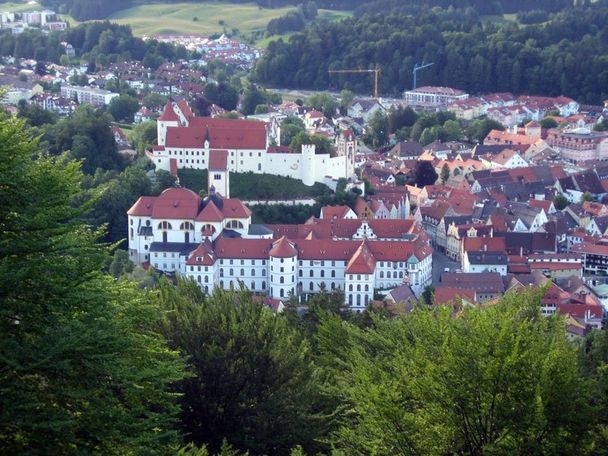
(376, 72)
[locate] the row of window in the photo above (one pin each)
(231, 272)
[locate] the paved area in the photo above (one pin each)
(440, 262)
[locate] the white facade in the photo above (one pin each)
(248, 156)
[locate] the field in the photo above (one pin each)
(212, 17)
(19, 7)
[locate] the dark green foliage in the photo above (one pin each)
(121, 264)
(123, 107)
(144, 135)
(290, 127)
(283, 213)
(35, 115)
(87, 135)
(194, 179)
(479, 129)
(102, 42)
(424, 173)
(250, 186)
(222, 94)
(560, 202)
(253, 380)
(254, 97)
(560, 57)
(495, 380)
(81, 369)
(290, 22)
(322, 144)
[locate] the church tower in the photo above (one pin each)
(219, 177)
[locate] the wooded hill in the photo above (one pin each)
(563, 56)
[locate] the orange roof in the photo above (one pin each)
(362, 262)
(176, 203)
(202, 256)
(218, 160)
(168, 113)
(143, 206)
(210, 214)
(283, 248)
(449, 295)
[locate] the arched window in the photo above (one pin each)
(131, 232)
(350, 287)
(311, 286)
(394, 274)
(282, 279)
(242, 273)
(206, 279)
(186, 226)
(281, 292)
(350, 300)
(231, 271)
(358, 300)
(322, 273)
(263, 285)
(366, 287)
(382, 274)
(164, 226)
(208, 229)
(358, 287)
(253, 272)
(235, 224)
(333, 285)
(333, 273)
(312, 273)
(252, 285)
(206, 289)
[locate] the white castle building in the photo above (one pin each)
(213, 241)
(186, 141)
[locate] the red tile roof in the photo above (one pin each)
(283, 248)
(143, 206)
(449, 295)
(168, 113)
(234, 208)
(185, 108)
(334, 212)
(362, 262)
(202, 256)
(222, 134)
(242, 248)
(477, 244)
(176, 203)
(210, 214)
(218, 160)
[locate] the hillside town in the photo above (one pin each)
(524, 206)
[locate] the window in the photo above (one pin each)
(253, 272)
(217, 177)
(206, 279)
(186, 226)
(333, 273)
(333, 285)
(350, 300)
(281, 292)
(281, 279)
(350, 287)
(234, 224)
(221, 272)
(164, 226)
(358, 300)
(252, 285)
(366, 287)
(358, 287)
(208, 228)
(312, 274)
(263, 285)
(231, 271)
(311, 286)
(300, 273)
(131, 231)
(322, 273)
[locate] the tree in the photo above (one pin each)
(144, 135)
(424, 173)
(586, 197)
(323, 102)
(321, 143)
(445, 173)
(253, 379)
(560, 202)
(82, 369)
(548, 122)
(154, 101)
(346, 99)
(378, 128)
(123, 107)
(121, 264)
(497, 380)
(479, 129)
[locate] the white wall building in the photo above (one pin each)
(214, 242)
(186, 141)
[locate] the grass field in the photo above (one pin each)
(19, 7)
(213, 17)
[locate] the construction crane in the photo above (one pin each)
(376, 72)
(418, 67)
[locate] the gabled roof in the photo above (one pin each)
(362, 262)
(210, 213)
(168, 113)
(203, 255)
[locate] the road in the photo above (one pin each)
(440, 262)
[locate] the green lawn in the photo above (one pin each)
(213, 17)
(19, 7)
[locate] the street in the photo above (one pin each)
(440, 262)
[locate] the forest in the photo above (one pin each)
(131, 363)
(562, 56)
(101, 42)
